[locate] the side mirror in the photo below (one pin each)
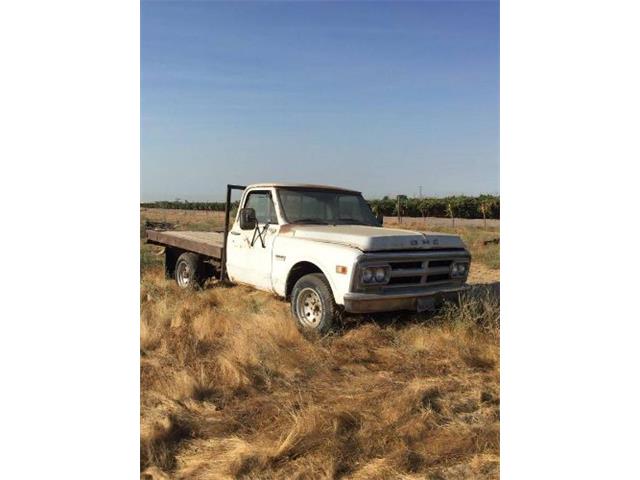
(248, 220)
(380, 219)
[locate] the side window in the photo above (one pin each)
(262, 203)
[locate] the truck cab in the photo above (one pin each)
(322, 248)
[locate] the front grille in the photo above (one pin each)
(414, 269)
(437, 278)
(440, 263)
(416, 273)
(404, 280)
(405, 265)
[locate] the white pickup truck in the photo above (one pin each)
(322, 248)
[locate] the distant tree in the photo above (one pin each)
(485, 205)
(452, 204)
(400, 206)
(376, 207)
(424, 207)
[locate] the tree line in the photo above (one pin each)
(187, 205)
(459, 206)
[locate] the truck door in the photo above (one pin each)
(250, 251)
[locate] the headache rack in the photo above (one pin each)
(212, 245)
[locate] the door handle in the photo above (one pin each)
(234, 233)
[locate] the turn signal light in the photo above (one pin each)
(341, 269)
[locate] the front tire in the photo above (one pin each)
(312, 303)
(188, 271)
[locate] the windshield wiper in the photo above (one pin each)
(315, 221)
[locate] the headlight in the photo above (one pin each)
(459, 269)
(378, 275)
(367, 275)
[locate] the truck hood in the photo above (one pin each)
(373, 239)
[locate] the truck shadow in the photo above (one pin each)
(478, 292)
(214, 283)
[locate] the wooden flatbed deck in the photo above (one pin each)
(204, 243)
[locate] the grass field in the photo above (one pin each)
(231, 389)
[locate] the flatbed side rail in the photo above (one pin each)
(227, 211)
(208, 244)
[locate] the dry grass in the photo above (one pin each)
(199, 220)
(231, 389)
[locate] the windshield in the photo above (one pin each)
(325, 207)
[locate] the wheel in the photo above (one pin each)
(312, 303)
(188, 271)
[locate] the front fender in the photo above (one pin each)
(288, 251)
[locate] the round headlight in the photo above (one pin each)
(458, 269)
(367, 275)
(380, 274)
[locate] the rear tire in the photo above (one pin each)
(189, 271)
(312, 303)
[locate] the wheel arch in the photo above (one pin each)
(299, 270)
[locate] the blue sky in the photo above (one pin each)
(380, 97)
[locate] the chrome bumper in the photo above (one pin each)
(417, 300)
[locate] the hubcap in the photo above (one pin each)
(309, 307)
(183, 274)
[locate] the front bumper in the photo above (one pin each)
(415, 300)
